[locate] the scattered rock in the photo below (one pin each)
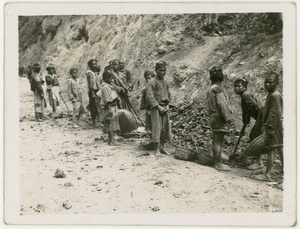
(66, 205)
(59, 174)
(78, 178)
(99, 189)
(97, 139)
(68, 184)
(155, 209)
(99, 166)
(158, 182)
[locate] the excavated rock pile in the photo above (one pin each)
(191, 129)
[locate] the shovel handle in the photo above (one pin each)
(240, 136)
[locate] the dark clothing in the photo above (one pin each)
(145, 105)
(257, 128)
(127, 75)
(273, 118)
(94, 85)
(250, 107)
(52, 80)
(144, 102)
(93, 105)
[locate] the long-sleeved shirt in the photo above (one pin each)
(107, 94)
(250, 107)
(93, 80)
(74, 90)
(127, 75)
(273, 112)
(39, 81)
(158, 92)
(51, 80)
(217, 103)
(144, 102)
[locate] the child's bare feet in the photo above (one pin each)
(255, 166)
(163, 151)
(222, 167)
(262, 177)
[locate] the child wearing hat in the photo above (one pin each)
(75, 96)
(52, 87)
(250, 109)
(219, 113)
(158, 96)
(110, 102)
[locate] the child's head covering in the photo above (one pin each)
(160, 64)
(36, 67)
(50, 66)
(216, 74)
(90, 62)
(147, 72)
(106, 75)
(73, 70)
(243, 81)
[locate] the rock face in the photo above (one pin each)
(241, 44)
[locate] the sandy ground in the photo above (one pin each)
(102, 179)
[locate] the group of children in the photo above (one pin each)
(268, 119)
(110, 92)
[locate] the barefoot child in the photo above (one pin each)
(39, 97)
(74, 93)
(110, 102)
(94, 84)
(158, 96)
(52, 87)
(250, 110)
(144, 104)
(219, 113)
(272, 124)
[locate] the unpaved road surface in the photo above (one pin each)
(102, 179)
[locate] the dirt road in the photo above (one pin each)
(103, 179)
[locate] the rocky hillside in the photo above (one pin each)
(246, 45)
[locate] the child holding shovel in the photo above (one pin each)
(219, 113)
(75, 96)
(250, 110)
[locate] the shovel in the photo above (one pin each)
(65, 103)
(234, 154)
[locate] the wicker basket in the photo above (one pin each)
(127, 121)
(185, 154)
(256, 147)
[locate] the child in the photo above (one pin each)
(39, 97)
(52, 87)
(127, 75)
(219, 113)
(74, 93)
(110, 102)
(250, 109)
(144, 104)
(158, 96)
(272, 124)
(94, 84)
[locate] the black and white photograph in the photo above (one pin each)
(163, 113)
